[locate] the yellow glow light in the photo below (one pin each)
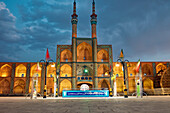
(106, 73)
(3, 75)
(117, 65)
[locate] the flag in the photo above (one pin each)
(110, 68)
(47, 55)
(121, 54)
(138, 66)
(38, 67)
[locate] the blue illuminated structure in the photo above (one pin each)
(87, 93)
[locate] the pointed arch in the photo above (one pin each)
(118, 69)
(103, 55)
(160, 69)
(6, 71)
(20, 71)
(104, 84)
(165, 79)
(148, 86)
(19, 87)
(51, 71)
(66, 55)
(103, 69)
(84, 52)
(34, 71)
(65, 84)
(119, 84)
(147, 69)
(4, 86)
(132, 85)
(50, 85)
(65, 70)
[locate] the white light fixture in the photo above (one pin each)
(53, 65)
(117, 65)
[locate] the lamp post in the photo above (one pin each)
(123, 62)
(56, 95)
(47, 62)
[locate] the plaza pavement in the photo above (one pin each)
(154, 104)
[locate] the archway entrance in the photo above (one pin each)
(104, 85)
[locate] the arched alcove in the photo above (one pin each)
(19, 87)
(102, 56)
(65, 84)
(84, 52)
(65, 71)
(102, 70)
(119, 84)
(4, 86)
(104, 84)
(160, 69)
(51, 70)
(20, 71)
(118, 70)
(165, 79)
(81, 71)
(66, 56)
(147, 70)
(50, 85)
(6, 71)
(34, 71)
(132, 85)
(148, 86)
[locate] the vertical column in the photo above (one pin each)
(111, 69)
(12, 78)
(95, 62)
(58, 69)
(27, 79)
(168, 64)
(126, 77)
(74, 51)
(42, 79)
(154, 74)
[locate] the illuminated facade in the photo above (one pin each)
(83, 62)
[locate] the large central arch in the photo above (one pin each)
(84, 52)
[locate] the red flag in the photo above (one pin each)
(47, 55)
(110, 68)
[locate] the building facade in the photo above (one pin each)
(82, 62)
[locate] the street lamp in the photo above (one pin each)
(122, 61)
(46, 63)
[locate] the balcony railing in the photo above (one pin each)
(84, 78)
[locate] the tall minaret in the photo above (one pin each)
(94, 37)
(74, 21)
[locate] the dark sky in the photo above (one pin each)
(140, 27)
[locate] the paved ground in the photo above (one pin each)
(113, 105)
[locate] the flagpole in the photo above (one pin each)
(140, 78)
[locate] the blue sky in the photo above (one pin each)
(140, 27)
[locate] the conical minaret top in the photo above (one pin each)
(74, 21)
(93, 9)
(74, 9)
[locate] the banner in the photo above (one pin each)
(87, 93)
